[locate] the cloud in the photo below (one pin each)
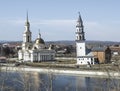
(56, 29)
(60, 29)
(12, 22)
(53, 22)
(91, 24)
(53, 29)
(105, 31)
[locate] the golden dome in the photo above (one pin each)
(39, 41)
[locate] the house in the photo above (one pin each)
(102, 54)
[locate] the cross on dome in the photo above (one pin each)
(39, 34)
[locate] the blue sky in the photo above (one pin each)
(56, 19)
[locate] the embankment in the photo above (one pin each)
(86, 73)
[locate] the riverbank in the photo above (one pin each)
(78, 72)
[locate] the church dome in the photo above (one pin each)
(39, 41)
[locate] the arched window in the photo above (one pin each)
(28, 39)
(77, 37)
(80, 37)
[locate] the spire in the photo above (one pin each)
(39, 35)
(27, 16)
(79, 21)
(27, 20)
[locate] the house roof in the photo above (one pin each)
(88, 51)
(85, 56)
(98, 49)
(90, 54)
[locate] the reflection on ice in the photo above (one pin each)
(34, 81)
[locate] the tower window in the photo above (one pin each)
(28, 39)
(80, 37)
(77, 37)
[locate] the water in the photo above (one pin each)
(33, 81)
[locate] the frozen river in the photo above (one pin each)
(35, 81)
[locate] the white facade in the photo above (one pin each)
(36, 55)
(34, 52)
(83, 56)
(81, 49)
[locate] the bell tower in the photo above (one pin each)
(80, 35)
(80, 38)
(27, 35)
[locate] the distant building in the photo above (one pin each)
(84, 55)
(115, 50)
(34, 52)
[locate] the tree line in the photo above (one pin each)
(7, 51)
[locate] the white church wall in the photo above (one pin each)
(32, 57)
(26, 57)
(83, 61)
(20, 55)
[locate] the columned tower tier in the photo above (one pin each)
(80, 35)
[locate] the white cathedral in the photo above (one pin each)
(84, 55)
(34, 52)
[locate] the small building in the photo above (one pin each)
(3, 59)
(102, 54)
(115, 50)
